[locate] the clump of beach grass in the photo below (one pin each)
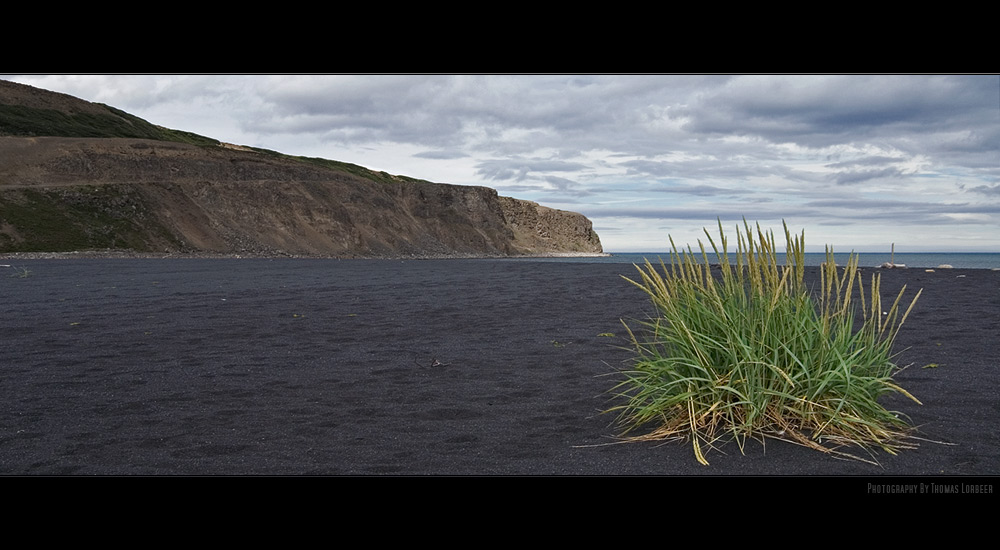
(751, 352)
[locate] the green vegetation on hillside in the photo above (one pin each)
(17, 120)
(78, 218)
(360, 171)
(354, 169)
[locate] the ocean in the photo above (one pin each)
(958, 260)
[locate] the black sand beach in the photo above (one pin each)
(417, 367)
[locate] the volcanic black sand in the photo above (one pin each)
(440, 367)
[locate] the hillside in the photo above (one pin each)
(76, 175)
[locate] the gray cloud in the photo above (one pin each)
(863, 162)
(851, 177)
(728, 212)
(567, 187)
(698, 190)
(821, 110)
(987, 189)
(520, 169)
(441, 155)
(906, 212)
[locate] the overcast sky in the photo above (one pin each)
(859, 162)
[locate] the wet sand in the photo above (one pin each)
(417, 367)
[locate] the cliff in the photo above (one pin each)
(76, 175)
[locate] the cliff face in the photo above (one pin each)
(62, 193)
(541, 230)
